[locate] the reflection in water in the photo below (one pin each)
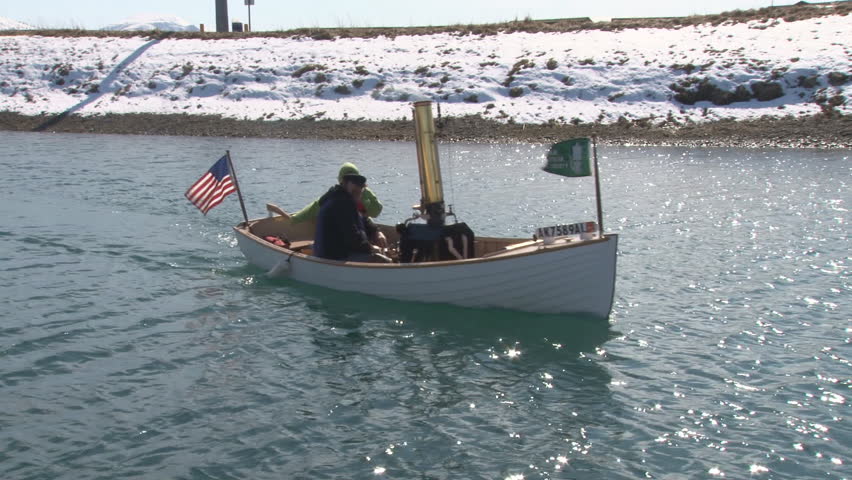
(544, 335)
(461, 386)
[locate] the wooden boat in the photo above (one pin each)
(565, 269)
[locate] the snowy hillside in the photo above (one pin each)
(153, 22)
(694, 73)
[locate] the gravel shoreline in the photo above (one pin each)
(819, 131)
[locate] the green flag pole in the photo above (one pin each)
(570, 158)
(597, 186)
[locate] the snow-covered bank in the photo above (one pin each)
(662, 76)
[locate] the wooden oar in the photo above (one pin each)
(272, 208)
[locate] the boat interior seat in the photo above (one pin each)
(301, 245)
(509, 248)
(538, 242)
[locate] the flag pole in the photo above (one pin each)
(237, 186)
(597, 186)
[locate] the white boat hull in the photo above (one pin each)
(564, 277)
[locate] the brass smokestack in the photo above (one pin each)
(431, 188)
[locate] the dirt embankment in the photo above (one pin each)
(821, 131)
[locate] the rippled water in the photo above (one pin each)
(137, 343)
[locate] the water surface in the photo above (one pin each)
(137, 343)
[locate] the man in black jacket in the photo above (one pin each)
(342, 232)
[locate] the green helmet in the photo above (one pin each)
(347, 169)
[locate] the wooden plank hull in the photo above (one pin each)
(564, 277)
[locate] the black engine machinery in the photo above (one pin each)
(429, 242)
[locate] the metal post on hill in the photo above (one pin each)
(249, 3)
(222, 15)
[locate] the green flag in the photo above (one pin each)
(569, 158)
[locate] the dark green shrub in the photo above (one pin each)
(811, 81)
(766, 91)
(307, 68)
(837, 79)
(520, 65)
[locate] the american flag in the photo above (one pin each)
(212, 187)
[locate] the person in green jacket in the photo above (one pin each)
(372, 205)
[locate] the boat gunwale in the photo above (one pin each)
(246, 232)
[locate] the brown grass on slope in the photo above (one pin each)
(799, 11)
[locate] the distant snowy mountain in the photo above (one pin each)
(165, 23)
(7, 24)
